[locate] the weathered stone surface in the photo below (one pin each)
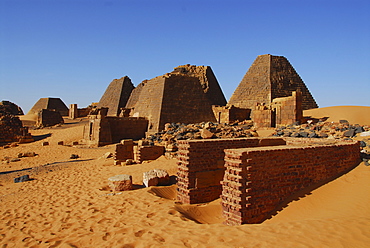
(46, 118)
(52, 104)
(268, 78)
(206, 134)
(21, 179)
(7, 107)
(156, 177)
(120, 182)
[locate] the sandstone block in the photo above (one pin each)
(120, 182)
(156, 177)
(206, 134)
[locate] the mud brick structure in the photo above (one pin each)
(144, 153)
(201, 166)
(12, 130)
(7, 107)
(185, 95)
(47, 118)
(54, 104)
(75, 112)
(258, 180)
(103, 130)
(124, 151)
(282, 111)
(230, 114)
(268, 78)
(116, 95)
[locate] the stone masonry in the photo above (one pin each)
(54, 104)
(268, 78)
(116, 95)
(258, 180)
(201, 166)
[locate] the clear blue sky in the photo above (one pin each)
(73, 49)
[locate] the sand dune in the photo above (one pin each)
(69, 205)
(353, 114)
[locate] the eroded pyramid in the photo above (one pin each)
(268, 78)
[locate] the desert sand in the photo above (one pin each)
(68, 204)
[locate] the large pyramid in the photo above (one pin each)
(185, 95)
(51, 104)
(116, 95)
(268, 78)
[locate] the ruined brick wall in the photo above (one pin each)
(116, 95)
(124, 151)
(104, 130)
(255, 85)
(127, 128)
(268, 78)
(263, 117)
(201, 166)
(50, 104)
(207, 80)
(12, 130)
(47, 118)
(229, 114)
(284, 80)
(184, 102)
(257, 180)
(145, 153)
(288, 110)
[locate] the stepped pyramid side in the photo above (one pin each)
(116, 95)
(268, 78)
(255, 85)
(207, 79)
(285, 80)
(184, 101)
(147, 101)
(50, 104)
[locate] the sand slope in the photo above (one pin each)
(69, 206)
(353, 114)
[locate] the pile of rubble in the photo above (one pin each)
(205, 130)
(343, 129)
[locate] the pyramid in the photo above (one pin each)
(116, 95)
(185, 95)
(51, 104)
(268, 78)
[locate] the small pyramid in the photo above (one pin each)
(268, 78)
(51, 104)
(116, 95)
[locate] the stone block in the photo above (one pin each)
(120, 182)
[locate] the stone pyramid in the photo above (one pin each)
(51, 104)
(116, 95)
(268, 78)
(185, 95)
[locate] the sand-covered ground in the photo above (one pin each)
(68, 204)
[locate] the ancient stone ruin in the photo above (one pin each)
(268, 78)
(254, 176)
(54, 104)
(116, 95)
(11, 127)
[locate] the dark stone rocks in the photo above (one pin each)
(362, 143)
(21, 179)
(74, 156)
(349, 133)
(359, 129)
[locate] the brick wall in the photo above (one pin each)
(257, 180)
(124, 150)
(201, 166)
(229, 114)
(46, 118)
(143, 153)
(104, 130)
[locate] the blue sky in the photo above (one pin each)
(73, 49)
